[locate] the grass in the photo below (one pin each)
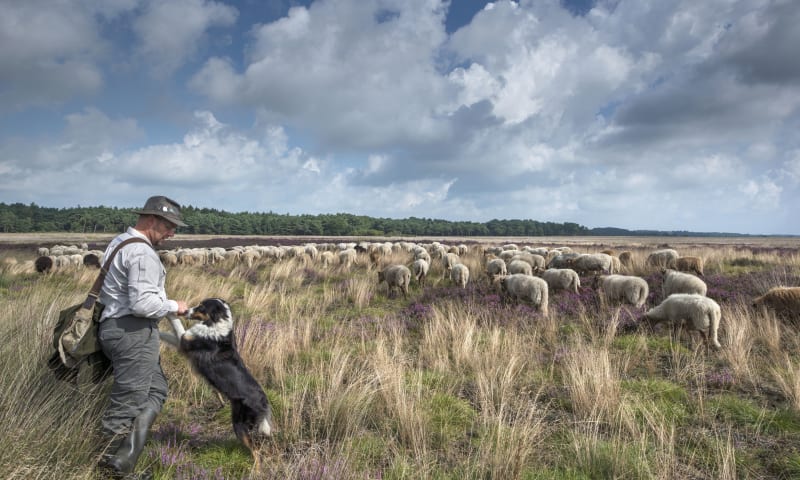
(450, 383)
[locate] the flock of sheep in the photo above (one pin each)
(528, 274)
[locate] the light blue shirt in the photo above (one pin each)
(134, 284)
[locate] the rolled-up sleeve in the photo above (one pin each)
(145, 287)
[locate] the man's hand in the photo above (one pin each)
(182, 307)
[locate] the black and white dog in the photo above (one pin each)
(210, 347)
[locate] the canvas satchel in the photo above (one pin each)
(75, 333)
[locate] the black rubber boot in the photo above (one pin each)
(124, 460)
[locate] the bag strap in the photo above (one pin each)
(98, 283)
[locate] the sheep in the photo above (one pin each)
(520, 266)
(44, 264)
(496, 267)
(347, 257)
(459, 274)
(701, 314)
(561, 260)
(526, 287)
(561, 279)
(395, 276)
(662, 258)
(169, 259)
(679, 282)
(785, 301)
(624, 288)
(91, 260)
(690, 264)
(420, 269)
(326, 258)
(448, 261)
(535, 260)
(626, 258)
(591, 262)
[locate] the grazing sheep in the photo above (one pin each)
(679, 282)
(526, 287)
(43, 251)
(785, 301)
(562, 279)
(459, 274)
(496, 267)
(419, 269)
(591, 263)
(690, 264)
(520, 266)
(347, 257)
(561, 260)
(535, 260)
(326, 258)
(395, 276)
(449, 260)
(665, 258)
(700, 313)
(169, 259)
(43, 264)
(623, 288)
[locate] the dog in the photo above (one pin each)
(210, 347)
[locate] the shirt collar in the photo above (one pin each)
(137, 233)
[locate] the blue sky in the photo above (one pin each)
(677, 115)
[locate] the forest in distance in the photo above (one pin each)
(21, 218)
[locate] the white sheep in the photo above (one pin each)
(562, 279)
(591, 263)
(459, 274)
(520, 266)
(665, 258)
(561, 260)
(420, 269)
(449, 260)
(700, 313)
(496, 267)
(679, 282)
(396, 276)
(347, 257)
(623, 288)
(535, 260)
(527, 288)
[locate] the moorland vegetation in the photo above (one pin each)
(450, 383)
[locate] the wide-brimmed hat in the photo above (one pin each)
(163, 207)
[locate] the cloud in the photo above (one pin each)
(48, 53)
(171, 32)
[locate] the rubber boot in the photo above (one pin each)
(126, 456)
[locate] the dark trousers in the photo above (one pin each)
(132, 345)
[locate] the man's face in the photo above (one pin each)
(162, 230)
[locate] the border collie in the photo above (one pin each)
(210, 347)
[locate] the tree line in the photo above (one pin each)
(20, 218)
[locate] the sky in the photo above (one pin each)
(637, 114)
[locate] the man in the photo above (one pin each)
(135, 300)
